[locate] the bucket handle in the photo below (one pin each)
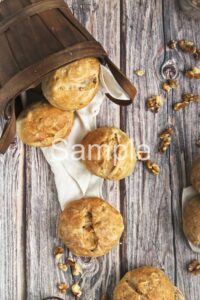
(124, 82)
(10, 128)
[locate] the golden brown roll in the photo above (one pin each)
(191, 220)
(109, 153)
(41, 124)
(195, 175)
(146, 283)
(74, 86)
(90, 227)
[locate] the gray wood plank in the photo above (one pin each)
(184, 149)
(42, 210)
(103, 20)
(12, 217)
(145, 199)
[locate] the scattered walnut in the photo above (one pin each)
(187, 99)
(62, 267)
(139, 72)
(179, 106)
(169, 85)
(172, 44)
(165, 145)
(63, 287)
(76, 290)
(194, 267)
(165, 136)
(173, 84)
(154, 103)
(166, 133)
(197, 54)
(166, 87)
(58, 252)
(187, 46)
(193, 73)
(76, 268)
(152, 167)
(198, 142)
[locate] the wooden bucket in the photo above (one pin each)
(37, 37)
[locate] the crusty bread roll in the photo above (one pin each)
(191, 220)
(74, 86)
(109, 153)
(42, 125)
(90, 227)
(195, 175)
(146, 283)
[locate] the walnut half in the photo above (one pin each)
(154, 103)
(193, 73)
(194, 267)
(76, 290)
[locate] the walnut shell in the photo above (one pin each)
(191, 220)
(195, 175)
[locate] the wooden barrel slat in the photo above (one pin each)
(37, 37)
(68, 14)
(11, 7)
(8, 65)
(56, 22)
(23, 42)
(48, 43)
(43, 36)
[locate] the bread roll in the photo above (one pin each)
(90, 227)
(42, 125)
(74, 86)
(191, 220)
(109, 153)
(146, 283)
(195, 175)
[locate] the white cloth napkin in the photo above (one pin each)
(189, 193)
(73, 180)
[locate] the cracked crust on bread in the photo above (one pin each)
(73, 86)
(90, 227)
(109, 153)
(146, 283)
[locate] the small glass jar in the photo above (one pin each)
(191, 8)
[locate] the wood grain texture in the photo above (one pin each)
(183, 150)
(135, 33)
(145, 199)
(12, 238)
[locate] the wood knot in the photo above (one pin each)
(169, 69)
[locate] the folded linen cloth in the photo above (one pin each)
(73, 180)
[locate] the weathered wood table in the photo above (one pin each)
(135, 33)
